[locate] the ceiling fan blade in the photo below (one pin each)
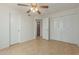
(39, 12)
(28, 11)
(22, 5)
(43, 6)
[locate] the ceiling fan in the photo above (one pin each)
(34, 7)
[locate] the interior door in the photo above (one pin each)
(15, 30)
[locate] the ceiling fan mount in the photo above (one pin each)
(34, 7)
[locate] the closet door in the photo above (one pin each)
(15, 30)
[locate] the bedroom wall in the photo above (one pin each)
(45, 28)
(4, 27)
(27, 28)
(65, 26)
(15, 26)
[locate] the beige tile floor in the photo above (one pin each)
(41, 47)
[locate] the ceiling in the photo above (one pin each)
(53, 8)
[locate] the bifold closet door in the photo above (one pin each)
(14, 25)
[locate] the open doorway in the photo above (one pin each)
(38, 28)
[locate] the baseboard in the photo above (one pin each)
(66, 42)
(21, 42)
(4, 47)
(25, 40)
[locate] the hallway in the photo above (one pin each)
(41, 46)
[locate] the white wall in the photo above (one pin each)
(27, 28)
(45, 28)
(41, 27)
(65, 26)
(15, 26)
(35, 29)
(4, 27)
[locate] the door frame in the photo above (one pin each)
(39, 20)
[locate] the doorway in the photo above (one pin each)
(38, 28)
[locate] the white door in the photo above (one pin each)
(45, 28)
(15, 28)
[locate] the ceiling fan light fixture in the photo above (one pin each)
(34, 9)
(31, 9)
